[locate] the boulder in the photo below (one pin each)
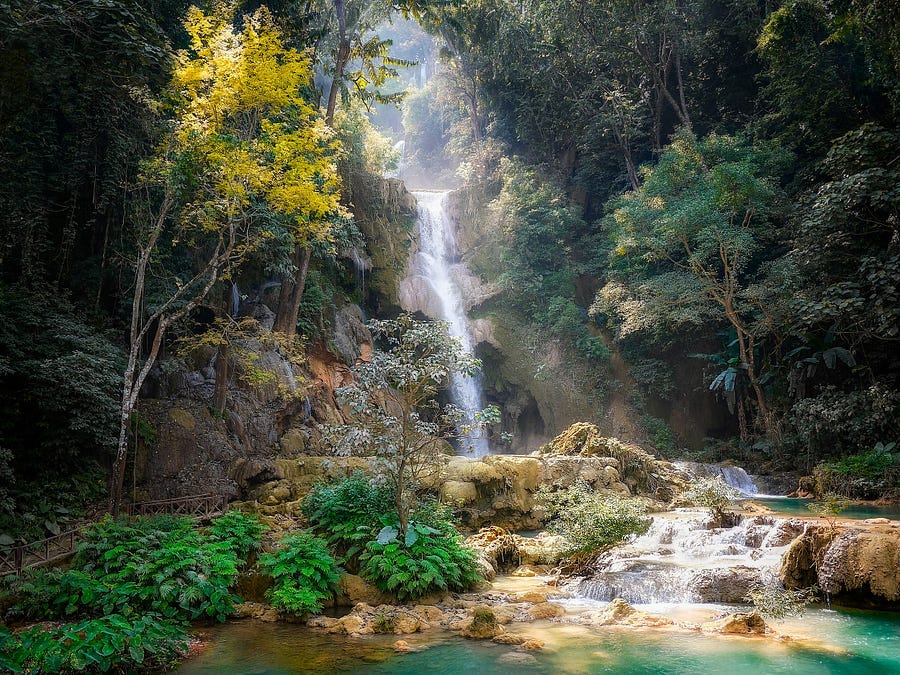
(620, 613)
(729, 584)
(740, 623)
(481, 625)
(354, 589)
(546, 610)
(863, 564)
(458, 493)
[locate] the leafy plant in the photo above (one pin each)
(828, 508)
(424, 560)
(304, 574)
(240, 532)
(591, 522)
(158, 565)
(712, 493)
(778, 603)
(347, 512)
(113, 642)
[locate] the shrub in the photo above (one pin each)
(160, 565)
(426, 560)
(828, 508)
(238, 531)
(347, 513)
(867, 474)
(113, 642)
(303, 572)
(591, 522)
(778, 603)
(712, 493)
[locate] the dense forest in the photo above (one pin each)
(681, 219)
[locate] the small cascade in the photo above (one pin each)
(289, 375)
(307, 409)
(235, 300)
(437, 251)
(734, 476)
(684, 559)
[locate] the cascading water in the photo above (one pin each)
(684, 559)
(734, 476)
(437, 250)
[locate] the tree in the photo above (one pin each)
(685, 243)
(244, 156)
(396, 415)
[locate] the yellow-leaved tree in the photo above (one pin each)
(244, 159)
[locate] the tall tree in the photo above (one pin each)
(245, 157)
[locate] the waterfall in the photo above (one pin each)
(683, 559)
(235, 300)
(437, 250)
(735, 476)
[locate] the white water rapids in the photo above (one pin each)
(437, 294)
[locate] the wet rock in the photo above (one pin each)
(517, 659)
(730, 585)
(481, 625)
(546, 610)
(740, 623)
(350, 334)
(800, 564)
(524, 571)
(429, 613)
(620, 613)
(530, 596)
(293, 442)
(510, 639)
(256, 610)
(533, 644)
(402, 646)
(864, 564)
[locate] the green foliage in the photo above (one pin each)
(828, 507)
(303, 572)
(60, 383)
(661, 436)
(778, 603)
(712, 493)
(160, 565)
(414, 566)
(240, 532)
(590, 522)
(346, 513)
(42, 508)
(114, 642)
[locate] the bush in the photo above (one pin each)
(712, 493)
(304, 574)
(778, 603)
(238, 531)
(428, 559)
(591, 522)
(110, 642)
(159, 565)
(868, 474)
(347, 513)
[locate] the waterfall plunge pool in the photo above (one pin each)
(824, 641)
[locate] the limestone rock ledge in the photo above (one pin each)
(854, 565)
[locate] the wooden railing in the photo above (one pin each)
(13, 559)
(202, 507)
(16, 557)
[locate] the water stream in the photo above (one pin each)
(433, 265)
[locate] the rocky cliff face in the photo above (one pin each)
(858, 564)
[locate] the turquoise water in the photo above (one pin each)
(828, 642)
(791, 506)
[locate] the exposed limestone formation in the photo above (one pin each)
(740, 623)
(855, 565)
(620, 613)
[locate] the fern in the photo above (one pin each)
(303, 572)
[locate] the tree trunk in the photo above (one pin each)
(291, 294)
(341, 57)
